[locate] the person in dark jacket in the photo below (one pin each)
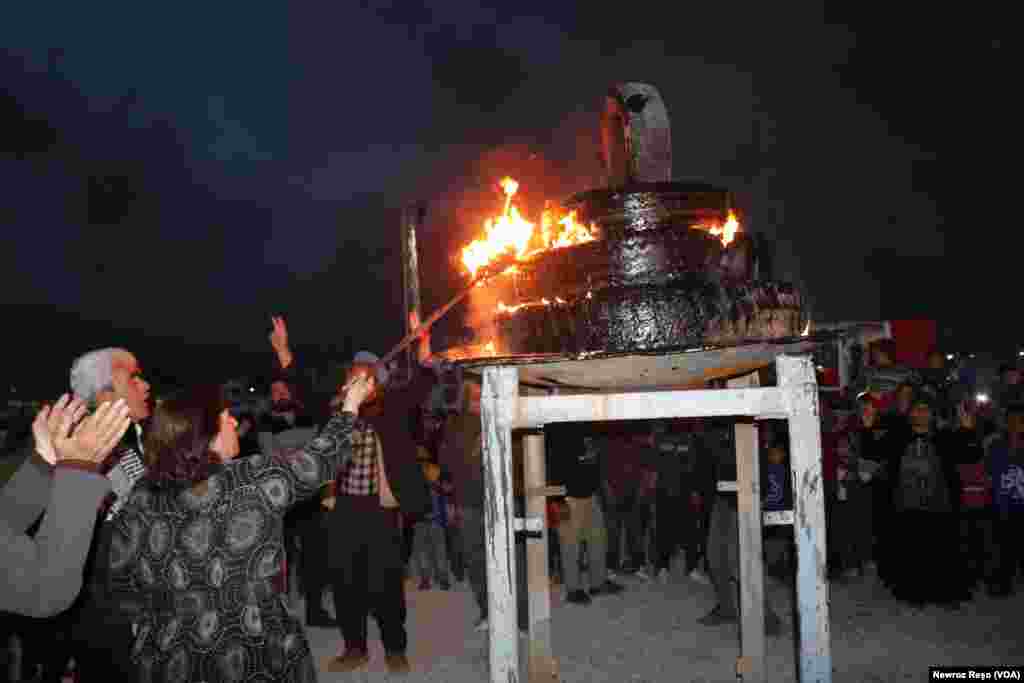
(198, 544)
(295, 412)
(381, 481)
(575, 462)
(98, 632)
(1004, 464)
(924, 551)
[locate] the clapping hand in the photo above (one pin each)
(58, 438)
(95, 436)
(48, 423)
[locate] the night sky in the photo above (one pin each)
(174, 175)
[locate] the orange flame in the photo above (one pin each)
(489, 348)
(726, 232)
(512, 233)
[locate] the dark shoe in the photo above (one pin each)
(397, 663)
(320, 620)
(772, 624)
(425, 584)
(607, 588)
(350, 661)
(578, 597)
(717, 617)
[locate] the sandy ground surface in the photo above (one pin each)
(649, 634)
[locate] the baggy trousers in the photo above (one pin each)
(585, 523)
(366, 561)
(475, 549)
(724, 555)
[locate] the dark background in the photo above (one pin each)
(174, 175)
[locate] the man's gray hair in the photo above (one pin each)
(92, 373)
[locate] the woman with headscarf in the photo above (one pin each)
(196, 548)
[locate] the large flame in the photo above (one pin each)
(511, 233)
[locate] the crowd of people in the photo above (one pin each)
(174, 538)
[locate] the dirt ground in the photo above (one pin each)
(649, 634)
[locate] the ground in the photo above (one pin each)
(649, 634)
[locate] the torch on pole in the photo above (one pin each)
(428, 323)
(436, 315)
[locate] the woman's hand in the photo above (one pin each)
(95, 437)
(48, 421)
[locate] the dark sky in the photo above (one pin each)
(173, 176)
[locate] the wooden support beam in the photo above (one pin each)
(541, 665)
(498, 397)
(748, 501)
(800, 394)
(536, 411)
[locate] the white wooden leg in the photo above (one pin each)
(748, 500)
(541, 663)
(498, 407)
(800, 396)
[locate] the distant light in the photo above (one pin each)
(981, 398)
(1020, 353)
(950, 356)
(252, 390)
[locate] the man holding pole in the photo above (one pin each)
(380, 483)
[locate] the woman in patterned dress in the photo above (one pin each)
(198, 544)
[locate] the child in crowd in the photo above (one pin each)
(853, 506)
(429, 549)
(778, 496)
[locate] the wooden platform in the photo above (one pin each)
(640, 387)
(621, 372)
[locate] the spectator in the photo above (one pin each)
(852, 509)
(1005, 465)
(208, 533)
(429, 542)
(723, 538)
(619, 492)
(43, 575)
(777, 490)
(575, 463)
(883, 376)
(925, 486)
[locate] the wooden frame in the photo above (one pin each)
(795, 399)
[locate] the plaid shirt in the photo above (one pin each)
(358, 476)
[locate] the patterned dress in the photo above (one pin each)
(197, 565)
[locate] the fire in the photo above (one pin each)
(511, 233)
(489, 348)
(726, 232)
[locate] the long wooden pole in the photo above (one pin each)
(412, 220)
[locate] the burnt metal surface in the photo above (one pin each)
(642, 258)
(691, 312)
(650, 206)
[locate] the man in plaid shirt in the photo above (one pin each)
(378, 486)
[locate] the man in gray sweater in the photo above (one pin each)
(41, 576)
